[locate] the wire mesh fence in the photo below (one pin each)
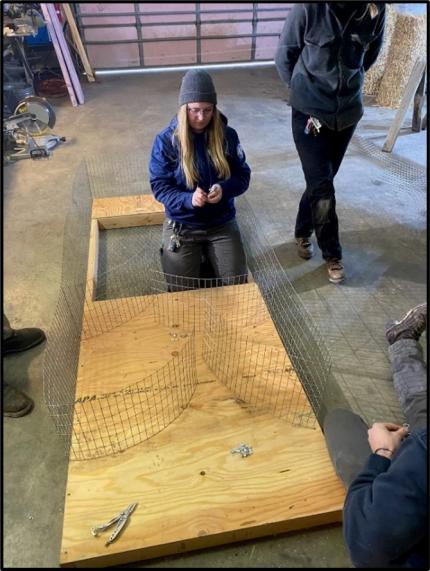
(224, 321)
(258, 374)
(402, 174)
(113, 421)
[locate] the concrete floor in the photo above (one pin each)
(383, 232)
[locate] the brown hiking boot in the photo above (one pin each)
(15, 403)
(305, 248)
(411, 326)
(335, 271)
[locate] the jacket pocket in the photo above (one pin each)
(363, 40)
(355, 48)
(319, 54)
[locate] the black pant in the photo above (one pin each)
(221, 244)
(321, 157)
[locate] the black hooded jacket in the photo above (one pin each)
(324, 50)
(385, 517)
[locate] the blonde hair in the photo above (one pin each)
(215, 146)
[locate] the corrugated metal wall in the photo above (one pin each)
(138, 35)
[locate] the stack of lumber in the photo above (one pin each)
(68, 70)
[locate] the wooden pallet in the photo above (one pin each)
(192, 492)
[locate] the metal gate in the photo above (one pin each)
(121, 36)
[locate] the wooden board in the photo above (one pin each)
(93, 258)
(127, 211)
(415, 79)
(192, 492)
(78, 42)
(62, 50)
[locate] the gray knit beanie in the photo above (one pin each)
(197, 85)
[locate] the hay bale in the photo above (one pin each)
(407, 45)
(373, 77)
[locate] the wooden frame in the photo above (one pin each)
(117, 212)
(414, 91)
(192, 492)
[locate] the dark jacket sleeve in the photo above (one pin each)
(376, 44)
(240, 176)
(291, 43)
(385, 515)
(162, 166)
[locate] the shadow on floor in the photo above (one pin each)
(368, 256)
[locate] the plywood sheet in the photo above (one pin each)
(192, 492)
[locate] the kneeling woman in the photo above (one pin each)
(197, 168)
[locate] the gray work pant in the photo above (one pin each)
(222, 245)
(346, 432)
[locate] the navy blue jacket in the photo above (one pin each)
(385, 515)
(322, 56)
(168, 179)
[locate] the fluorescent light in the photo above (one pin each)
(140, 70)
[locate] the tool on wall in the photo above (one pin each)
(26, 133)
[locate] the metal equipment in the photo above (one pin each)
(26, 132)
(120, 520)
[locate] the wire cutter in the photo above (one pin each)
(120, 519)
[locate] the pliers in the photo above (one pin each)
(120, 520)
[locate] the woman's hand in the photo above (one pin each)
(387, 437)
(199, 198)
(215, 194)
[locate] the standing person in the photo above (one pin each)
(384, 468)
(324, 50)
(197, 168)
(15, 402)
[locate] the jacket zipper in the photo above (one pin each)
(339, 65)
(208, 164)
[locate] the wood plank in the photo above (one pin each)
(418, 104)
(127, 211)
(92, 266)
(64, 49)
(78, 42)
(410, 90)
(192, 492)
(59, 53)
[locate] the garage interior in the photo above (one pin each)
(381, 204)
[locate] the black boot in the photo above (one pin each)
(15, 403)
(23, 339)
(305, 248)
